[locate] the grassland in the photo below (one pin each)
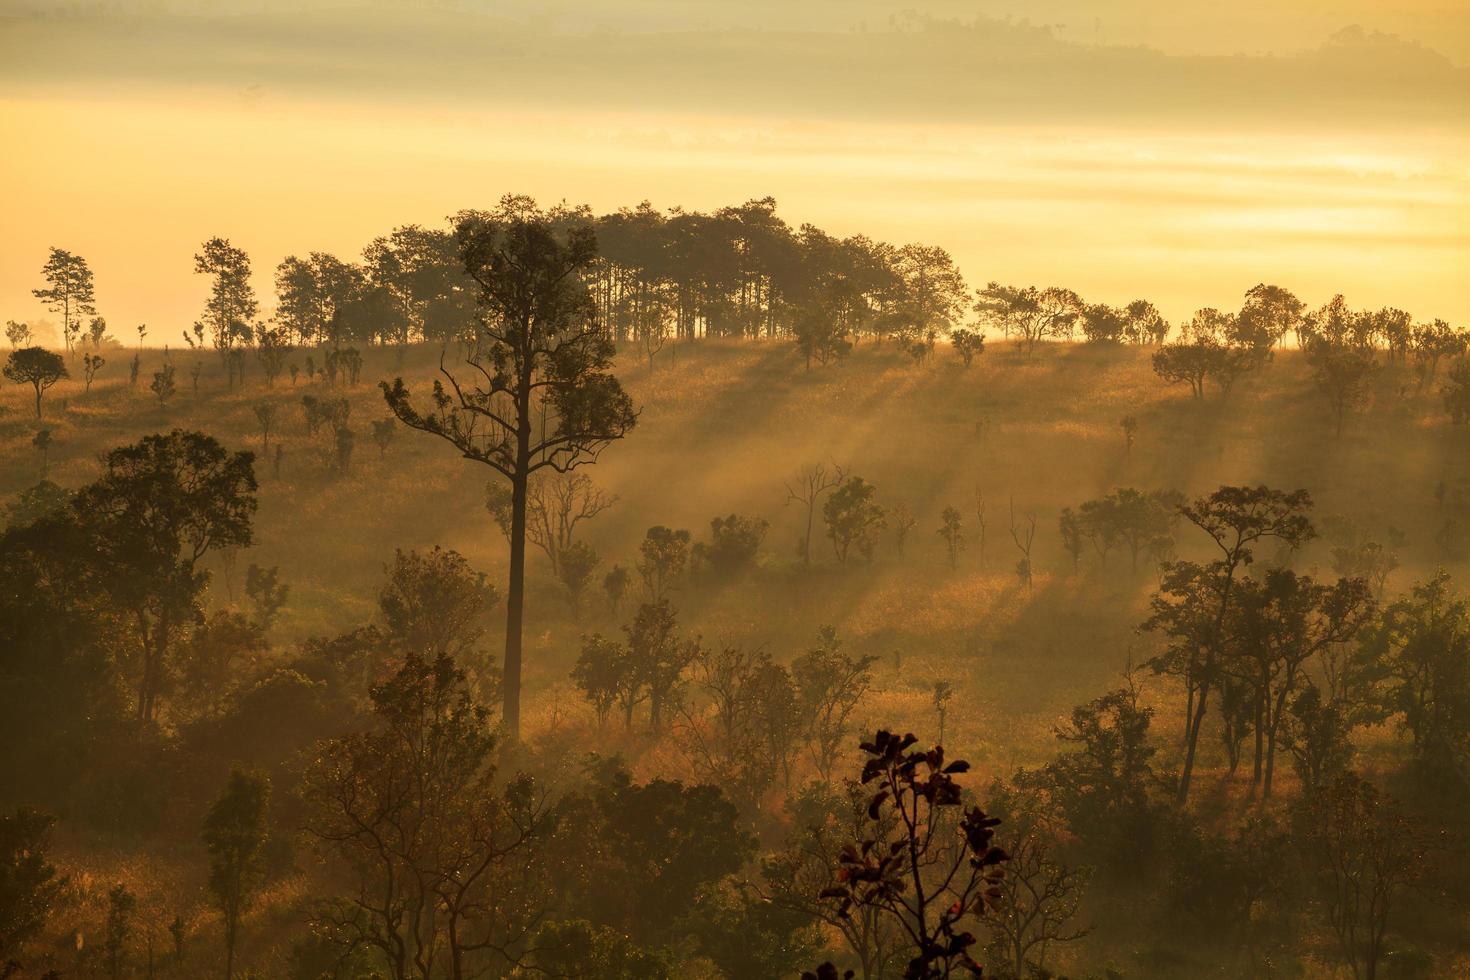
(724, 425)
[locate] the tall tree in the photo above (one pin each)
(68, 292)
(234, 834)
(535, 392)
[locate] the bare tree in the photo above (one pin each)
(555, 504)
(1024, 537)
(811, 483)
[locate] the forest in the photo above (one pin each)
(687, 593)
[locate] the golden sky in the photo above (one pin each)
(1122, 171)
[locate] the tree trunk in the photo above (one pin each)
(514, 601)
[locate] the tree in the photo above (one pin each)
(662, 557)
(1270, 313)
(158, 508)
(163, 383)
(266, 593)
(1365, 854)
(742, 733)
(659, 657)
(17, 333)
(555, 504)
(1344, 374)
(1074, 539)
(830, 684)
(1433, 342)
(1024, 538)
(1275, 627)
(1030, 314)
(231, 307)
(967, 344)
(734, 542)
(29, 885)
(932, 871)
(1422, 647)
(853, 518)
(1103, 324)
(538, 394)
(435, 850)
(91, 364)
(904, 521)
(1104, 784)
(1190, 362)
(68, 292)
(827, 819)
(1192, 605)
(36, 367)
(42, 443)
(1040, 895)
(604, 673)
(434, 603)
(811, 483)
(578, 562)
(1456, 392)
(383, 430)
(234, 834)
(271, 348)
(932, 291)
(265, 414)
(1143, 323)
(615, 585)
(819, 336)
(953, 535)
(578, 948)
(1129, 425)
(122, 905)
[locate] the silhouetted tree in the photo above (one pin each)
(68, 291)
(1028, 313)
(158, 508)
(163, 383)
(538, 394)
(36, 367)
(231, 308)
(934, 871)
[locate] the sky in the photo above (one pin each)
(1124, 148)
